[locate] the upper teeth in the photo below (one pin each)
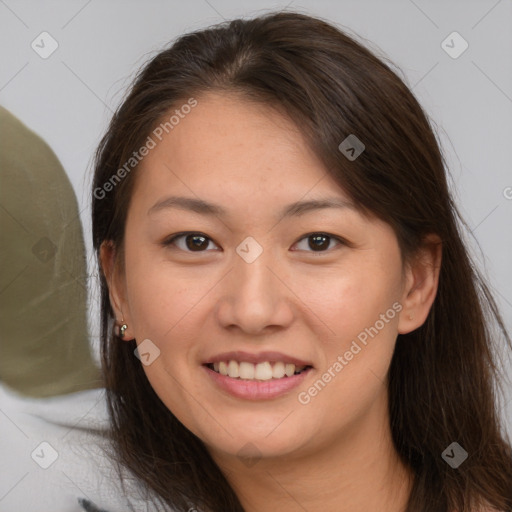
(260, 371)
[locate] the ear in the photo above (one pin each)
(114, 275)
(421, 283)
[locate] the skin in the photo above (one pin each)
(334, 453)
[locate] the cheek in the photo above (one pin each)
(167, 306)
(159, 296)
(361, 310)
(352, 379)
(351, 298)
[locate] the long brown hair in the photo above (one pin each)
(442, 375)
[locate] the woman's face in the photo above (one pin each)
(265, 280)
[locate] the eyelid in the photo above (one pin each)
(341, 241)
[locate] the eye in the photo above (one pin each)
(198, 242)
(189, 241)
(319, 242)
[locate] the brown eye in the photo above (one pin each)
(196, 242)
(193, 242)
(318, 242)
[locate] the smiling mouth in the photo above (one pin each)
(263, 371)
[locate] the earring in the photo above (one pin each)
(120, 329)
(410, 317)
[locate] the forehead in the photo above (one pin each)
(227, 147)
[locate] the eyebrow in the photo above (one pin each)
(205, 208)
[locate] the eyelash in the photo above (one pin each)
(171, 240)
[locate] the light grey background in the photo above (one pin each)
(69, 97)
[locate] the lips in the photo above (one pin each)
(255, 389)
(265, 366)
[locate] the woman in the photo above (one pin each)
(290, 319)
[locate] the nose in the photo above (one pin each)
(255, 297)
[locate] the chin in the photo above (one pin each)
(259, 443)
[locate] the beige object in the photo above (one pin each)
(44, 342)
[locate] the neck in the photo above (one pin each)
(360, 472)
